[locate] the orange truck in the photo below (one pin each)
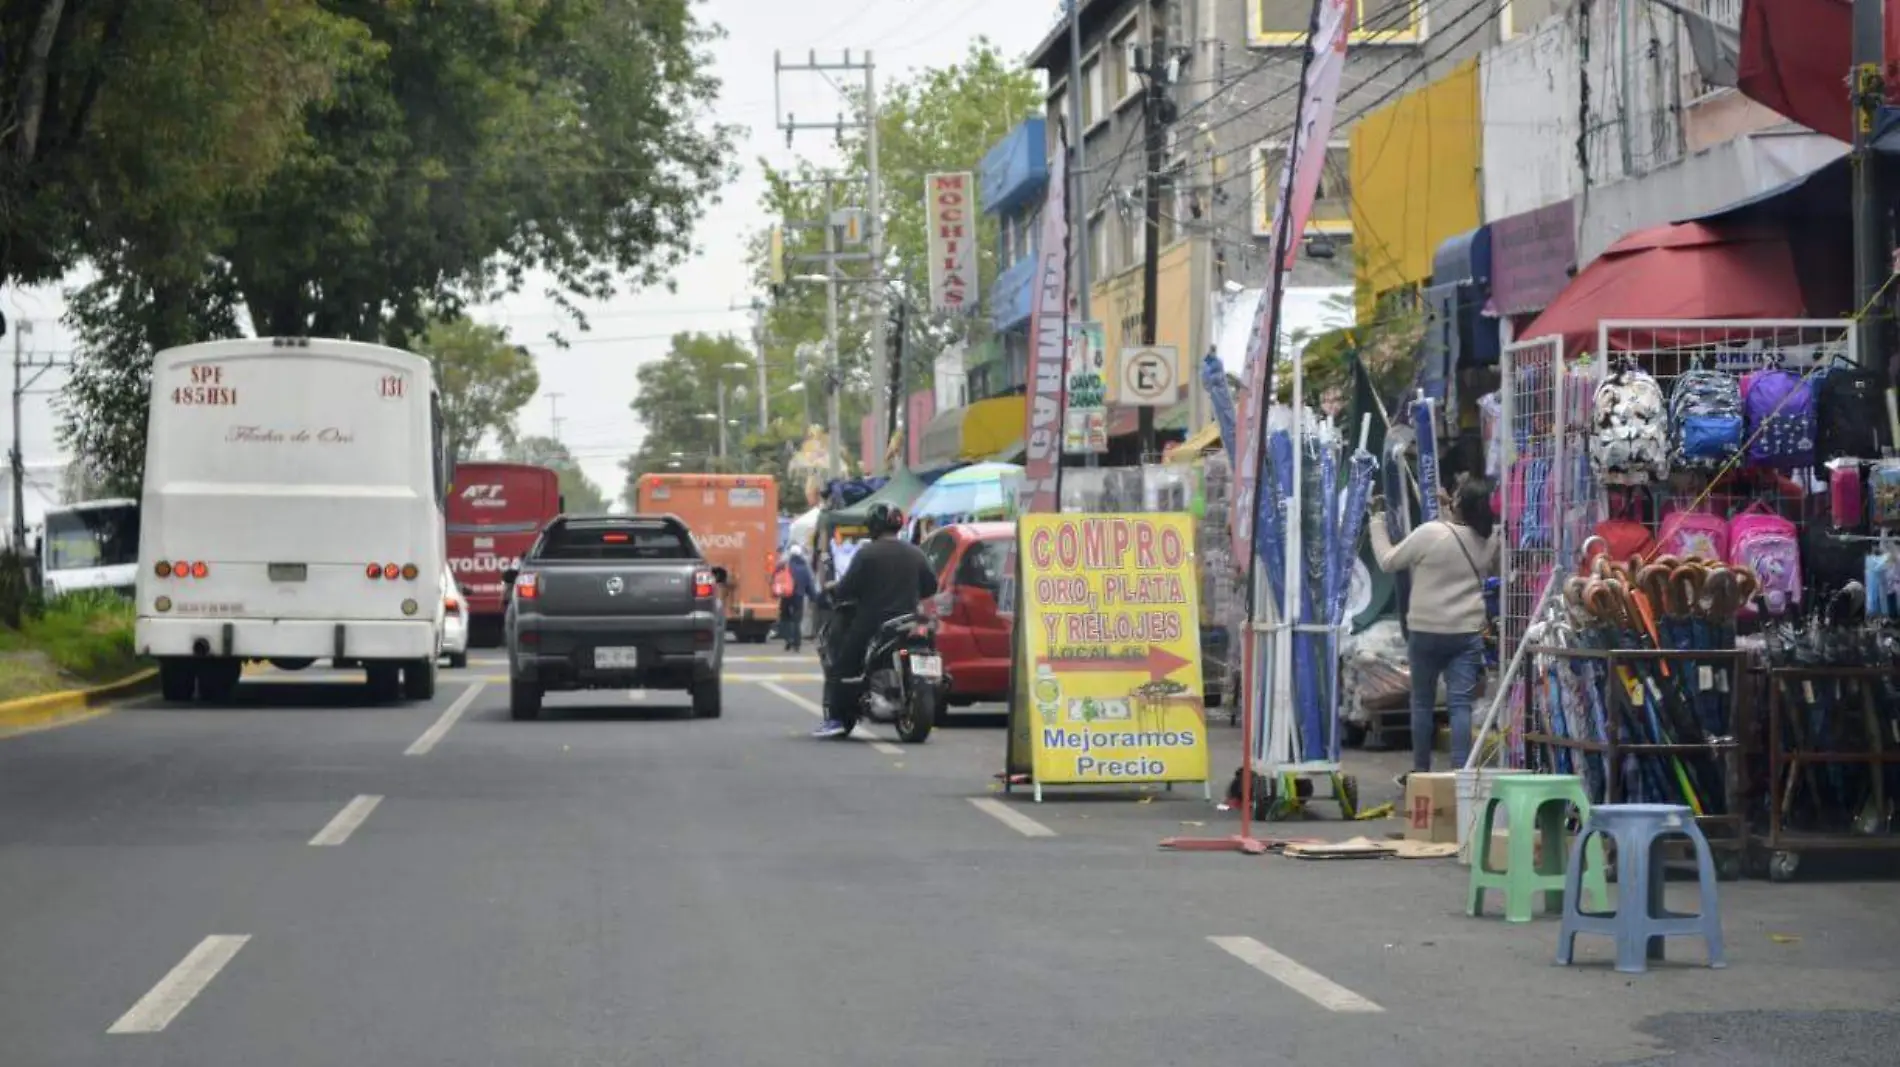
(734, 520)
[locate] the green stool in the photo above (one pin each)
(1537, 805)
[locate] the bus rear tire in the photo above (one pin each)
(218, 680)
(177, 679)
(418, 679)
(385, 681)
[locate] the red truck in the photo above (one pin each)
(495, 511)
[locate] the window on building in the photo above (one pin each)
(1174, 203)
(1522, 16)
(1332, 206)
(1286, 22)
(1097, 250)
(1058, 114)
(1128, 243)
(1124, 84)
(1094, 91)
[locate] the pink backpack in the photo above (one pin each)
(1769, 545)
(1694, 533)
(1843, 494)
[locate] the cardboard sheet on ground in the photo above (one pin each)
(1108, 649)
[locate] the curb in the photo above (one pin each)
(58, 709)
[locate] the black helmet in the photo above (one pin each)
(883, 519)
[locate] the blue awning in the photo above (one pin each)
(1464, 259)
(1819, 194)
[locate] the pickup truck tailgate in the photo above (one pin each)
(623, 590)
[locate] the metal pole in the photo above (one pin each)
(1078, 210)
(1870, 237)
(874, 207)
(1152, 100)
(554, 417)
(832, 378)
(1201, 301)
(758, 344)
(16, 458)
(722, 418)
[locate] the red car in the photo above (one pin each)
(970, 561)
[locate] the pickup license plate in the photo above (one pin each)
(288, 572)
(616, 659)
(926, 666)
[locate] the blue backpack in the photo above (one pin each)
(1705, 419)
(1779, 406)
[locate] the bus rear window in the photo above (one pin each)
(617, 541)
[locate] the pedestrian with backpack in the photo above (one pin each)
(792, 584)
(1448, 559)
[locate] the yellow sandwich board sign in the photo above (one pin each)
(1108, 649)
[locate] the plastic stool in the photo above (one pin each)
(1536, 805)
(1640, 921)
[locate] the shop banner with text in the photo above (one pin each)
(1298, 186)
(1109, 650)
(950, 204)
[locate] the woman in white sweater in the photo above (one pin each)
(1449, 559)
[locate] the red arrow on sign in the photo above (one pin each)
(1158, 662)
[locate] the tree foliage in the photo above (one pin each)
(344, 168)
(579, 495)
(673, 393)
(484, 378)
(940, 119)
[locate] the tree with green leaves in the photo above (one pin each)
(431, 162)
(484, 379)
(676, 404)
(579, 495)
(940, 119)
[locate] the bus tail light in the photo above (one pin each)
(373, 571)
(528, 585)
(199, 570)
(391, 571)
(162, 568)
(409, 571)
(703, 584)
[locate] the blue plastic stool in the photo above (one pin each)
(1640, 921)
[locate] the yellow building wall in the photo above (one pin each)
(1415, 182)
(1116, 304)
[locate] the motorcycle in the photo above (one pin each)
(900, 682)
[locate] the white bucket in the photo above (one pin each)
(1474, 788)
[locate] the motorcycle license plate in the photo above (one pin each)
(616, 659)
(926, 666)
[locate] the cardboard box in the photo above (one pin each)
(1431, 808)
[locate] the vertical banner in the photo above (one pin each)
(1298, 186)
(1085, 412)
(950, 211)
(1048, 329)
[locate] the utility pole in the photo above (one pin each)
(1078, 206)
(1154, 119)
(758, 347)
(1870, 231)
(874, 223)
(554, 417)
(834, 379)
(1201, 301)
(16, 456)
(897, 382)
(722, 420)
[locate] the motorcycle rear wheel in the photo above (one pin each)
(918, 715)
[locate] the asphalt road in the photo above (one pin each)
(297, 880)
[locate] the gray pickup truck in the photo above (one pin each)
(614, 602)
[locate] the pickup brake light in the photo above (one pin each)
(528, 586)
(703, 585)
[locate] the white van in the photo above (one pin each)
(292, 513)
(94, 545)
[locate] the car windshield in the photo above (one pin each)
(616, 541)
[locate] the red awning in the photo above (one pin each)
(1686, 270)
(1796, 56)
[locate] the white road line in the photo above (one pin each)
(340, 828)
(436, 732)
(818, 711)
(156, 1009)
(1010, 817)
(636, 694)
(1303, 980)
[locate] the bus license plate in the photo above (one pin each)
(926, 666)
(616, 659)
(288, 572)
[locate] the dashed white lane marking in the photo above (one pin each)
(340, 828)
(1010, 817)
(440, 729)
(1290, 973)
(885, 747)
(156, 1009)
(636, 694)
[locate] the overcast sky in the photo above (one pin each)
(594, 378)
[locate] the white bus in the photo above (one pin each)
(93, 545)
(292, 513)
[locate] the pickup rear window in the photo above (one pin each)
(615, 541)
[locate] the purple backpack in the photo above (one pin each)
(1768, 544)
(1779, 406)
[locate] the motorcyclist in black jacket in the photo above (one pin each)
(887, 578)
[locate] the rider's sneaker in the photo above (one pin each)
(830, 728)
